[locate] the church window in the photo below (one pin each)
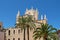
(8, 39)
(13, 38)
(18, 31)
(9, 32)
(18, 38)
(14, 32)
(0, 26)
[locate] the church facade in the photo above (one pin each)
(16, 34)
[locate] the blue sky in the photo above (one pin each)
(9, 9)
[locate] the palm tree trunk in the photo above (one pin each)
(45, 38)
(24, 33)
(28, 32)
(39, 38)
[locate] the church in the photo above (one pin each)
(16, 34)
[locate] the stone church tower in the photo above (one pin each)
(17, 17)
(32, 12)
(43, 19)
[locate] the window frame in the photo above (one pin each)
(13, 31)
(8, 32)
(18, 31)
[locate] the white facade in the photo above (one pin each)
(14, 34)
(32, 12)
(20, 35)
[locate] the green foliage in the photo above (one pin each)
(46, 31)
(26, 23)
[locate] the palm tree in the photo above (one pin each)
(26, 23)
(46, 32)
(22, 25)
(29, 24)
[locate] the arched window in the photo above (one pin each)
(9, 32)
(18, 38)
(18, 31)
(13, 38)
(14, 32)
(8, 39)
(0, 26)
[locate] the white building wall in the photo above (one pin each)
(32, 12)
(12, 35)
(21, 35)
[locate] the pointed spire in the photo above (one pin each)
(41, 17)
(26, 9)
(32, 7)
(17, 17)
(18, 14)
(36, 9)
(45, 17)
